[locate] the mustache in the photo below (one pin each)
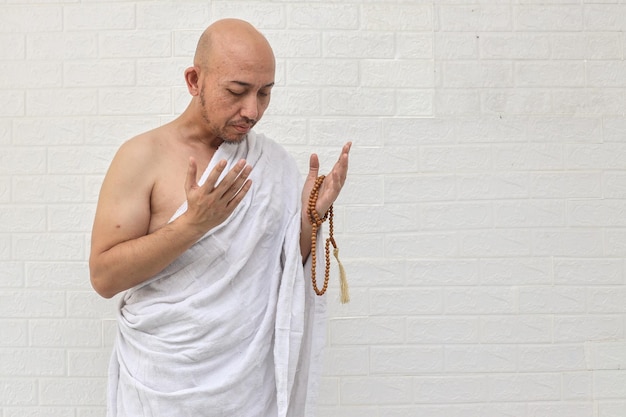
(244, 122)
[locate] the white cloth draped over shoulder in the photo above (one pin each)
(231, 327)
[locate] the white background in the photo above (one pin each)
(483, 227)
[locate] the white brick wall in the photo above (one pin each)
(483, 226)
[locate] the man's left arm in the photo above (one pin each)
(327, 194)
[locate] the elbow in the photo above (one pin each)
(100, 282)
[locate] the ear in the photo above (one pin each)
(191, 78)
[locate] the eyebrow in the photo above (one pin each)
(245, 84)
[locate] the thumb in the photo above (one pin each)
(314, 166)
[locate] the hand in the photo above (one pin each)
(332, 185)
(209, 205)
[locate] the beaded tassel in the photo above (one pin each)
(316, 223)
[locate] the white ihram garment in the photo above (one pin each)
(231, 327)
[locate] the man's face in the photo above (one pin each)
(234, 96)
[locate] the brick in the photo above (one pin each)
(378, 45)
(12, 103)
(87, 363)
(551, 358)
(457, 102)
(367, 331)
(48, 247)
(610, 384)
(342, 101)
(528, 157)
(345, 361)
(324, 72)
(18, 392)
(604, 101)
(411, 189)
(22, 160)
(486, 300)
(98, 16)
(549, 74)
(588, 271)
(327, 132)
(588, 328)
(608, 355)
(421, 245)
(101, 73)
(22, 218)
(514, 46)
(582, 409)
(552, 18)
(477, 74)
(397, 73)
(376, 390)
(485, 18)
(564, 242)
(406, 360)
(14, 332)
(455, 216)
(566, 185)
(456, 46)
(32, 303)
(61, 46)
(516, 271)
(40, 188)
(577, 385)
(32, 362)
(25, 18)
(450, 389)
(604, 156)
(607, 300)
(529, 213)
(72, 391)
(323, 16)
(12, 46)
(134, 101)
(48, 131)
(604, 17)
(606, 74)
(405, 301)
(521, 329)
(417, 102)
(596, 213)
(485, 186)
(481, 358)
(65, 333)
(79, 160)
(516, 101)
(133, 44)
(57, 275)
(443, 330)
(414, 45)
(525, 387)
(388, 218)
(61, 102)
(449, 272)
(398, 17)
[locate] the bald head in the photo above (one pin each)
(231, 39)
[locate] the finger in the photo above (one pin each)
(238, 183)
(214, 175)
(230, 178)
(240, 194)
(192, 171)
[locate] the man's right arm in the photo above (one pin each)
(123, 253)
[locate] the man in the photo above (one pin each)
(203, 223)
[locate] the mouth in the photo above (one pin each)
(242, 128)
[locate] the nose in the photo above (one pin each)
(250, 108)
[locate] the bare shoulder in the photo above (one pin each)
(123, 210)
